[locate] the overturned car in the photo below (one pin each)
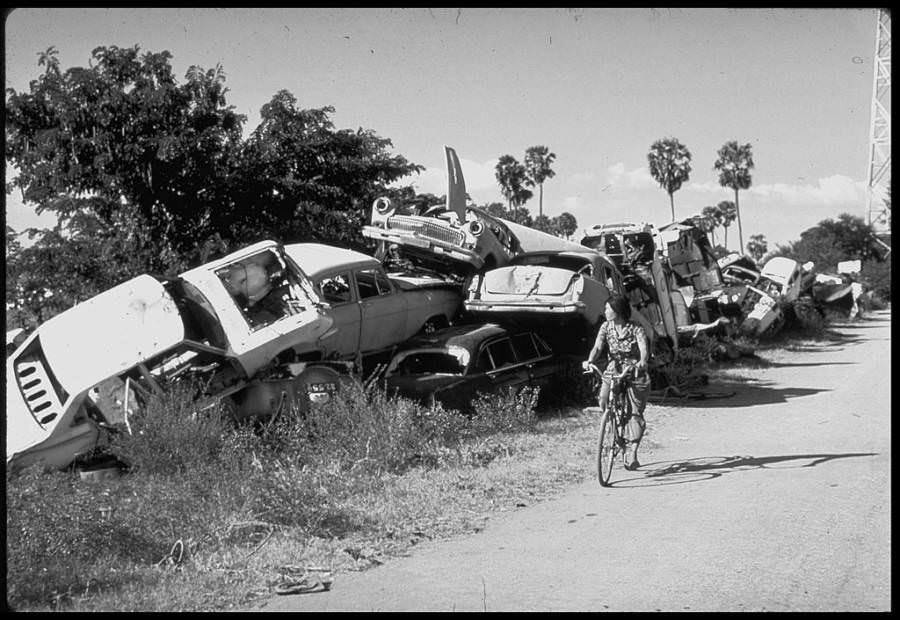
(450, 238)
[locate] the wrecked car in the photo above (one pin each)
(372, 310)
(452, 366)
(450, 238)
(560, 293)
(782, 277)
(236, 323)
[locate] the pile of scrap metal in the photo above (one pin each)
(671, 276)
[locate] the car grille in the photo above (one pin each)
(37, 390)
(428, 230)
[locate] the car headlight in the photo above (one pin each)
(476, 227)
(383, 205)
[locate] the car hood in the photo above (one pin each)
(110, 333)
(526, 280)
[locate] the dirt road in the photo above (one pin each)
(777, 498)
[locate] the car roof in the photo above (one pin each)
(318, 258)
(467, 336)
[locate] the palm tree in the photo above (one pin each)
(715, 216)
(537, 165)
(511, 176)
(729, 213)
(734, 164)
(670, 165)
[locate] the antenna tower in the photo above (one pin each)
(879, 168)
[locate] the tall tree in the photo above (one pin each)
(757, 247)
(670, 166)
(511, 176)
(538, 160)
(123, 134)
(714, 215)
(146, 174)
(734, 163)
(302, 179)
(566, 223)
(729, 213)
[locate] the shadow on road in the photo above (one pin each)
(707, 468)
(784, 365)
(737, 393)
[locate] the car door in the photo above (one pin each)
(337, 289)
(536, 356)
(382, 310)
(507, 371)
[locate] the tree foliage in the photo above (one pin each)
(733, 163)
(512, 176)
(729, 213)
(538, 160)
(670, 166)
(146, 174)
(757, 247)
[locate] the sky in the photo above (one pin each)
(597, 86)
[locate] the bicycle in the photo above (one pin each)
(611, 441)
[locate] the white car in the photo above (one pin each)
(783, 277)
(226, 321)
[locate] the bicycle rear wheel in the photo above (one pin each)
(607, 446)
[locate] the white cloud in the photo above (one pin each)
(619, 177)
(835, 190)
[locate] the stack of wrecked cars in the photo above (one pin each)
(670, 276)
(254, 327)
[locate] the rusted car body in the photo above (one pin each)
(634, 250)
(454, 365)
(88, 366)
(450, 238)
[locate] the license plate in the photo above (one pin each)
(321, 388)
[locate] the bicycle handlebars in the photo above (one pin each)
(590, 367)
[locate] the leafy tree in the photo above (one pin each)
(734, 163)
(148, 175)
(832, 241)
(537, 165)
(566, 224)
(670, 166)
(511, 176)
(729, 213)
(544, 224)
(123, 134)
(302, 180)
(715, 217)
(757, 247)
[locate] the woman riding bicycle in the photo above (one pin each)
(628, 346)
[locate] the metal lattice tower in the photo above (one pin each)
(880, 127)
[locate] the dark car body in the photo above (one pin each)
(453, 365)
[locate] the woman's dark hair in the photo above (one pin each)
(620, 306)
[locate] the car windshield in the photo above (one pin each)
(560, 261)
(432, 362)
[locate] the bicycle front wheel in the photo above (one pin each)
(606, 449)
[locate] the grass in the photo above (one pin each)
(356, 481)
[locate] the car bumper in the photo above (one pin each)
(415, 241)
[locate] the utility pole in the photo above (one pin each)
(880, 128)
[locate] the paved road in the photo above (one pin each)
(775, 499)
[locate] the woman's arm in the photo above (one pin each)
(599, 345)
(643, 347)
